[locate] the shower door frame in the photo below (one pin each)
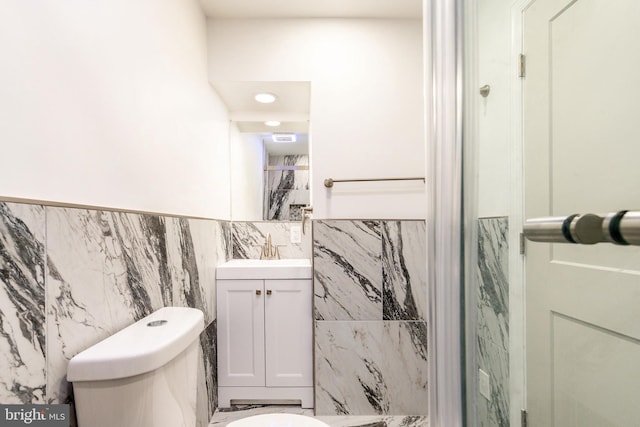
(443, 109)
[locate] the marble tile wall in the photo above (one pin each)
(286, 190)
(71, 277)
(23, 349)
(98, 272)
(493, 319)
(370, 317)
(249, 236)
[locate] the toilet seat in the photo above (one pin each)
(278, 420)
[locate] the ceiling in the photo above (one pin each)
(239, 96)
(313, 8)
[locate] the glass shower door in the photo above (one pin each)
(553, 329)
(492, 170)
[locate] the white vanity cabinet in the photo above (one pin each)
(265, 329)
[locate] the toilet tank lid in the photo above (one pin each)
(142, 347)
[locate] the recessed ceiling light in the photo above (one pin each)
(272, 123)
(266, 98)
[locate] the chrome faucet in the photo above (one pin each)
(306, 214)
(269, 251)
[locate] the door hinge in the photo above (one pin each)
(522, 65)
(522, 243)
(523, 418)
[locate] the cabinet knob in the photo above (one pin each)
(258, 292)
(268, 291)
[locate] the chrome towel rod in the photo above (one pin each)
(330, 181)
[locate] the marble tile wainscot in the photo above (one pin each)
(493, 318)
(370, 297)
(22, 304)
(248, 236)
(98, 271)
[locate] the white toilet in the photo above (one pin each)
(277, 420)
(142, 376)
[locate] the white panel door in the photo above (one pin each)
(240, 333)
(582, 152)
(288, 331)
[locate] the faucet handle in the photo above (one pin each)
(307, 211)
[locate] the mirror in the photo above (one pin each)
(286, 189)
(269, 180)
(268, 149)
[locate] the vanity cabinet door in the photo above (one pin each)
(288, 332)
(240, 305)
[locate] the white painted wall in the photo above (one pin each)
(367, 110)
(247, 175)
(107, 103)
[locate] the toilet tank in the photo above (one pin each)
(142, 376)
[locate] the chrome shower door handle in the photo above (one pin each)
(585, 229)
(621, 228)
(549, 229)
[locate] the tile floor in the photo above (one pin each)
(222, 418)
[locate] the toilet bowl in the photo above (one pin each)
(142, 376)
(278, 420)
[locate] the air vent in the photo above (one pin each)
(283, 137)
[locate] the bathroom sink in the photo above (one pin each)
(297, 268)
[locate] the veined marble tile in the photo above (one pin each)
(249, 236)
(371, 368)
(347, 270)
(226, 236)
(349, 379)
(279, 203)
(493, 318)
(285, 187)
(207, 377)
(223, 241)
(288, 179)
(404, 270)
(406, 367)
(138, 246)
(195, 247)
(105, 271)
(81, 310)
(22, 301)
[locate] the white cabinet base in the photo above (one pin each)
(265, 340)
(271, 394)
